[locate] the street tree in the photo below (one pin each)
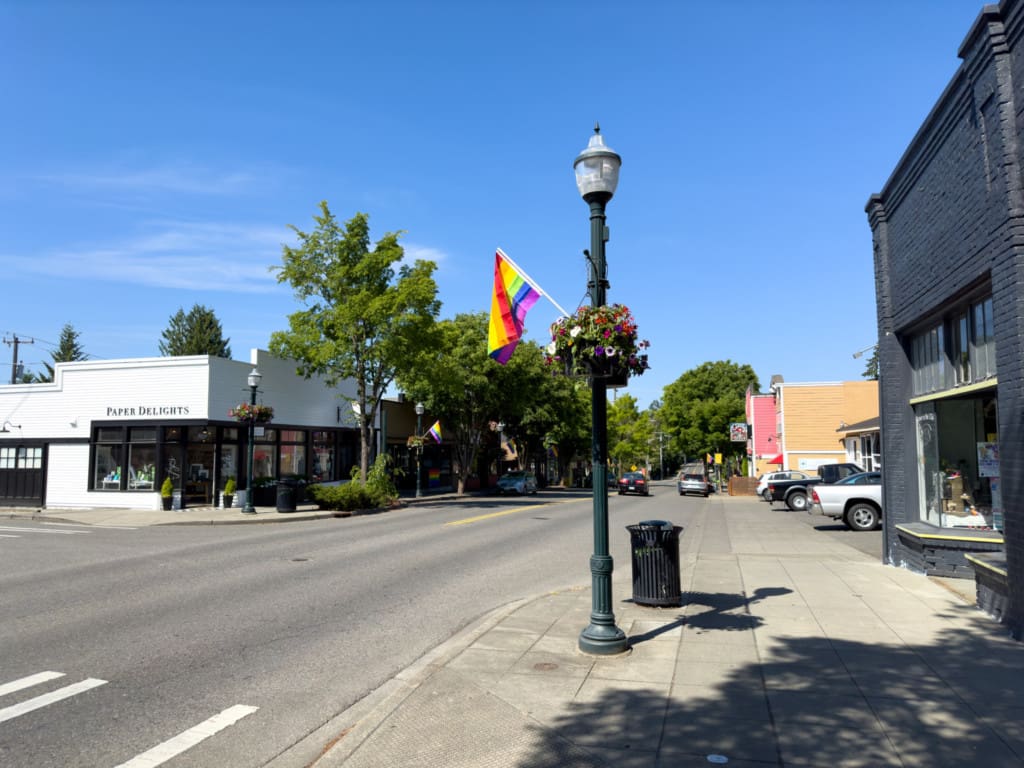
(366, 315)
(698, 407)
(197, 333)
(68, 350)
(630, 433)
(470, 392)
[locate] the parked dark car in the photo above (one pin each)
(634, 482)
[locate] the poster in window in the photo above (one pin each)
(988, 459)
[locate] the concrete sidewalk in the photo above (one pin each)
(789, 649)
(139, 518)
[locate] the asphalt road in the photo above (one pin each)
(261, 634)
(265, 632)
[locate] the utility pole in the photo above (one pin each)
(14, 361)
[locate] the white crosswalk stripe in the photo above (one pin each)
(27, 529)
(187, 739)
(16, 710)
(158, 755)
(28, 682)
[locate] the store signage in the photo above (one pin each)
(147, 410)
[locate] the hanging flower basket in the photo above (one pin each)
(598, 343)
(258, 414)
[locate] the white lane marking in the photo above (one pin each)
(9, 713)
(98, 525)
(161, 753)
(28, 682)
(8, 536)
(26, 529)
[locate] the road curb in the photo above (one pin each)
(346, 732)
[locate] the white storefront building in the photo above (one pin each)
(105, 433)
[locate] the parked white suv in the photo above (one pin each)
(770, 477)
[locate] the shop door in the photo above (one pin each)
(199, 475)
(22, 470)
(929, 472)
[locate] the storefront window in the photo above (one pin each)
(264, 454)
(958, 447)
(141, 458)
(323, 456)
(107, 469)
(293, 452)
(228, 465)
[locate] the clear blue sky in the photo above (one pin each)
(153, 154)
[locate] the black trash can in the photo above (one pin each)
(655, 546)
(286, 494)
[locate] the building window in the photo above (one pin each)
(959, 350)
(141, 458)
(108, 459)
(323, 456)
(293, 452)
(21, 458)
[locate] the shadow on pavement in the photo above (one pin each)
(951, 700)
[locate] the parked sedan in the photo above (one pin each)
(634, 482)
(519, 483)
(692, 483)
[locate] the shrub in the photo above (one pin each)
(379, 491)
(229, 487)
(167, 489)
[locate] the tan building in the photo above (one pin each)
(813, 420)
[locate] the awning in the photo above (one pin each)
(776, 459)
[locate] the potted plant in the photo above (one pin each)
(167, 492)
(598, 342)
(228, 494)
(246, 412)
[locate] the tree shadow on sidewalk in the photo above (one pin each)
(951, 699)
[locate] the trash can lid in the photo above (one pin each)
(657, 524)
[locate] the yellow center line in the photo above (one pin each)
(514, 510)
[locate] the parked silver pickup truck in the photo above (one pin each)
(856, 500)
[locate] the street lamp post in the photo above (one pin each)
(419, 447)
(254, 382)
(597, 175)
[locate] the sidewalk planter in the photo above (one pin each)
(655, 548)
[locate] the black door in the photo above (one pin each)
(22, 473)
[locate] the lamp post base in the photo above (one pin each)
(603, 640)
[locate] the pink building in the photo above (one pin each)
(763, 448)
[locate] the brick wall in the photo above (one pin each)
(950, 221)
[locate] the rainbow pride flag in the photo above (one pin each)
(514, 295)
(435, 431)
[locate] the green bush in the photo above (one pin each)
(379, 491)
(167, 489)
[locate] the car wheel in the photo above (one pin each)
(682, 493)
(797, 502)
(861, 517)
(705, 495)
(766, 495)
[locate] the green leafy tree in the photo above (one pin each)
(362, 319)
(197, 333)
(630, 433)
(457, 380)
(68, 350)
(698, 407)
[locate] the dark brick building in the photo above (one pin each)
(948, 233)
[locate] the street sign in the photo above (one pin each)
(738, 432)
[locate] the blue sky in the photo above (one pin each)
(153, 155)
